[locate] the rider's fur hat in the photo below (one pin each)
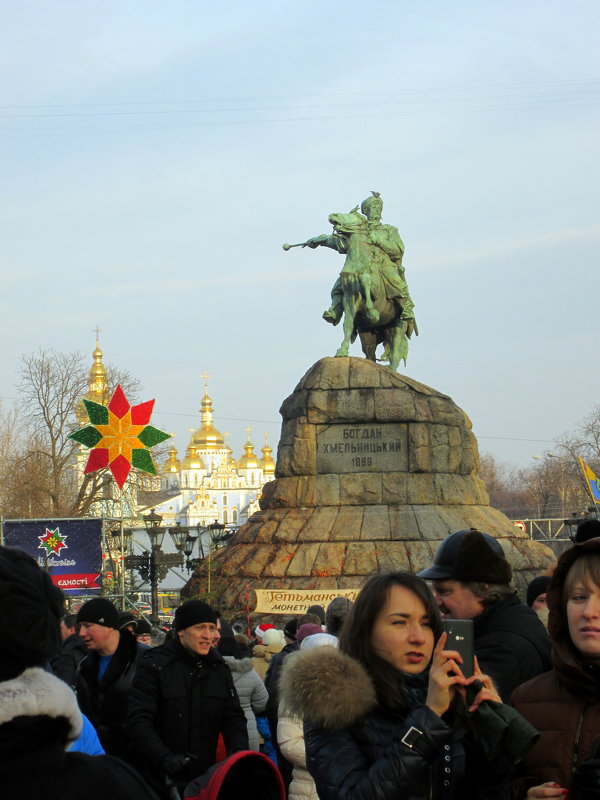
(373, 203)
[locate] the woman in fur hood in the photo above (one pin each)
(378, 721)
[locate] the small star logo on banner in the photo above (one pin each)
(119, 437)
(52, 542)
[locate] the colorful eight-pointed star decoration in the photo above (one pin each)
(119, 437)
(52, 541)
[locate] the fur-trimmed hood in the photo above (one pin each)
(36, 693)
(239, 664)
(326, 687)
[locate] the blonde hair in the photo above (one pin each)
(585, 570)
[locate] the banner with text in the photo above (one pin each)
(296, 601)
(70, 550)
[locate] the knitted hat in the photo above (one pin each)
(31, 607)
(260, 629)
(127, 618)
(336, 613)
(537, 587)
(194, 612)
(318, 640)
(291, 628)
(590, 529)
(99, 611)
(142, 627)
(467, 556)
(273, 636)
(309, 629)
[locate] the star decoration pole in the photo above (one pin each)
(119, 437)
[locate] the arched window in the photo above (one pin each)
(224, 499)
(225, 516)
(251, 479)
(234, 515)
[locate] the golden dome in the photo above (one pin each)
(249, 459)
(172, 463)
(207, 437)
(192, 460)
(266, 462)
(97, 385)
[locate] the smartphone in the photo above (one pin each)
(460, 638)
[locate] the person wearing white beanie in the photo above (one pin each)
(290, 728)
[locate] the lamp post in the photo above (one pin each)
(153, 565)
(156, 534)
(188, 549)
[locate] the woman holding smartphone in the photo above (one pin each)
(382, 716)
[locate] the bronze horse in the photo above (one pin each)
(369, 311)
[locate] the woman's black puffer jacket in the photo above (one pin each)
(357, 750)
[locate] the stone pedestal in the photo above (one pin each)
(373, 471)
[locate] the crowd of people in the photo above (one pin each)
(359, 701)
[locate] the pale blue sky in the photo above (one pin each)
(156, 155)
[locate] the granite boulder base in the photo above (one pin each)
(373, 471)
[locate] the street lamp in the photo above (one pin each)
(154, 564)
(188, 549)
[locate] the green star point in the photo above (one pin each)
(151, 436)
(87, 436)
(141, 459)
(98, 415)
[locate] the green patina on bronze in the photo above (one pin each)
(371, 293)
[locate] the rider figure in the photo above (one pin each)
(387, 239)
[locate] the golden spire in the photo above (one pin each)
(172, 463)
(266, 462)
(249, 459)
(207, 437)
(97, 383)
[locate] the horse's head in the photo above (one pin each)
(353, 222)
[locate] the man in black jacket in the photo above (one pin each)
(105, 675)
(182, 698)
(471, 580)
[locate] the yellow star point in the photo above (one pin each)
(119, 437)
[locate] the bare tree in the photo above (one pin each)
(41, 470)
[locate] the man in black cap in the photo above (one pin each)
(471, 580)
(182, 698)
(105, 675)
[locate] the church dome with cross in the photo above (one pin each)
(209, 485)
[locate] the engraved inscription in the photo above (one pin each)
(362, 448)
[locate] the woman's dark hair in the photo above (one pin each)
(355, 638)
